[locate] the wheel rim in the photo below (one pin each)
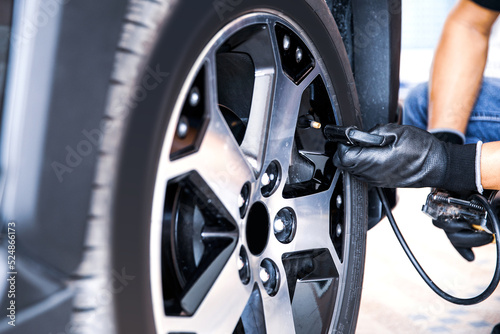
(250, 220)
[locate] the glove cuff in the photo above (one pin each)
(461, 168)
(449, 135)
(479, 185)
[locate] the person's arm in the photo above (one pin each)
(459, 65)
(490, 165)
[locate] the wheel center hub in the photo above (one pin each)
(257, 230)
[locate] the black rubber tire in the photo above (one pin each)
(167, 37)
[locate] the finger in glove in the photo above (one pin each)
(452, 226)
(468, 239)
(466, 253)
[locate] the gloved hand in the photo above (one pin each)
(410, 157)
(463, 237)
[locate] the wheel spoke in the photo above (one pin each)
(220, 163)
(260, 50)
(313, 222)
(283, 123)
(313, 230)
(278, 312)
(255, 137)
(286, 102)
(222, 306)
(200, 288)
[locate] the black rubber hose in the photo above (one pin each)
(460, 301)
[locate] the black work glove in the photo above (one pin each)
(410, 157)
(463, 237)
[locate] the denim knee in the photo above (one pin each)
(484, 122)
(416, 106)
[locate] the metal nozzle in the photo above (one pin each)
(315, 125)
(307, 121)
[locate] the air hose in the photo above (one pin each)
(350, 135)
(460, 301)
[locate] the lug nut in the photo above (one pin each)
(241, 263)
(194, 97)
(243, 198)
(264, 275)
(338, 201)
(285, 225)
(279, 225)
(265, 179)
(270, 179)
(286, 42)
(243, 266)
(241, 201)
(270, 276)
(182, 127)
(298, 55)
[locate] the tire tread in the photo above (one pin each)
(92, 281)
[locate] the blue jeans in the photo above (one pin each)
(484, 123)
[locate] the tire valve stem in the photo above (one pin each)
(307, 121)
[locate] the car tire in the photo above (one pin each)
(161, 238)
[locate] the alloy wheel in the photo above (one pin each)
(250, 219)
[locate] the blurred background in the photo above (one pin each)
(395, 299)
(422, 22)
